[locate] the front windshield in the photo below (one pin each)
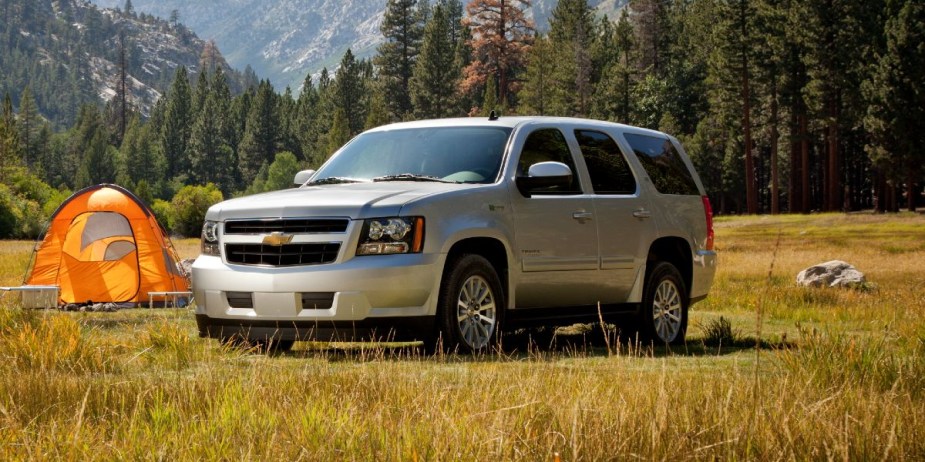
(449, 154)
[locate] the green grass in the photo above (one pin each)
(837, 374)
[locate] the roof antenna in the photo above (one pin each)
(492, 115)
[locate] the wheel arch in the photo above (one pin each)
(677, 251)
(492, 249)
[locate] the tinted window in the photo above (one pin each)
(548, 145)
(663, 164)
(609, 171)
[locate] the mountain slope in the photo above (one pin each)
(285, 40)
(68, 53)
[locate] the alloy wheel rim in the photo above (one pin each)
(667, 311)
(476, 312)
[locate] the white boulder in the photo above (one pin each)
(835, 273)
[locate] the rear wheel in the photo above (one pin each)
(663, 314)
(471, 305)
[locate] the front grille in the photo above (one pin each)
(288, 226)
(283, 255)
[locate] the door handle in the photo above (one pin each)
(642, 213)
(582, 216)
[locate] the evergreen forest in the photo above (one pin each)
(783, 106)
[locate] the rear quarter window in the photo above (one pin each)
(663, 164)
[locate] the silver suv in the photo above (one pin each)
(448, 231)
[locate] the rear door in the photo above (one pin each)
(624, 222)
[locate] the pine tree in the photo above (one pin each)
(835, 35)
(613, 101)
(99, 161)
(653, 33)
(731, 70)
(402, 28)
(433, 86)
(200, 94)
(30, 124)
(896, 91)
(378, 113)
(538, 78)
(177, 126)
(571, 34)
(122, 89)
(143, 158)
(261, 136)
(10, 150)
(350, 94)
(501, 38)
(339, 134)
(305, 124)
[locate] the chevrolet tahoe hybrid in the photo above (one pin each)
(451, 231)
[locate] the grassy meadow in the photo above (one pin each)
(771, 371)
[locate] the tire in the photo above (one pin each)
(663, 314)
(470, 308)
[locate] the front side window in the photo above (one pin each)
(610, 174)
(548, 145)
(663, 164)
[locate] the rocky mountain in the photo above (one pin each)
(69, 52)
(285, 40)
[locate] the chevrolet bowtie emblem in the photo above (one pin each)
(277, 239)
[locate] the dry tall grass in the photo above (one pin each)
(842, 377)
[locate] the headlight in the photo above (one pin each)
(209, 240)
(383, 236)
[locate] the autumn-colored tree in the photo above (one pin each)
(501, 37)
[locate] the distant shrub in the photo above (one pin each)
(188, 208)
(19, 217)
(162, 210)
(9, 217)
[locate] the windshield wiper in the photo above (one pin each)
(411, 177)
(335, 180)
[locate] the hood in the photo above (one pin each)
(353, 200)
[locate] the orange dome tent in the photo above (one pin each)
(104, 245)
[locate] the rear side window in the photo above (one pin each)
(663, 164)
(548, 145)
(610, 174)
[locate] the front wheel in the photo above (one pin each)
(471, 305)
(663, 314)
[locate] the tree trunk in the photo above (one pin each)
(832, 177)
(911, 192)
(751, 189)
(775, 179)
(804, 158)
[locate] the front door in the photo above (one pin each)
(555, 232)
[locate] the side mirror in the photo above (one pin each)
(544, 175)
(302, 177)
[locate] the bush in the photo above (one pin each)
(188, 208)
(162, 211)
(9, 216)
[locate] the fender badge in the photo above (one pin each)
(277, 239)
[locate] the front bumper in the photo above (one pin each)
(381, 293)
